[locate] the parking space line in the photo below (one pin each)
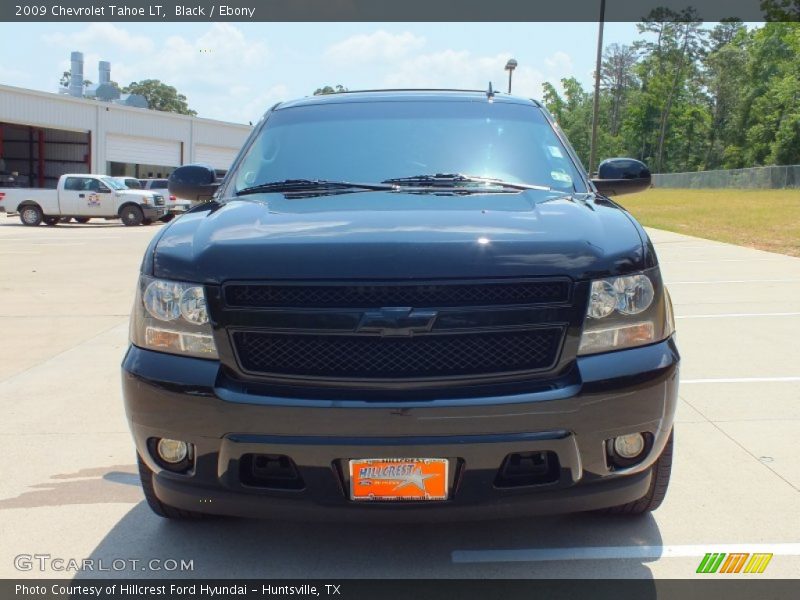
(719, 260)
(715, 282)
(737, 315)
(618, 552)
(59, 244)
(743, 380)
(56, 239)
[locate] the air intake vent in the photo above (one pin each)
(528, 468)
(379, 295)
(376, 357)
(273, 471)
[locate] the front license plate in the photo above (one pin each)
(398, 479)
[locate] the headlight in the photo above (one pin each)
(628, 311)
(171, 316)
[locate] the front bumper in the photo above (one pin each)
(603, 396)
(178, 209)
(153, 213)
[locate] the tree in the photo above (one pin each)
(66, 76)
(552, 101)
(781, 10)
(770, 116)
(160, 96)
(330, 90)
(725, 79)
(618, 77)
(684, 42)
(573, 113)
(690, 97)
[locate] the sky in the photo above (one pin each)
(236, 71)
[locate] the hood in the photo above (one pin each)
(395, 235)
(139, 193)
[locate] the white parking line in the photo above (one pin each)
(617, 552)
(743, 380)
(33, 240)
(737, 315)
(733, 281)
(719, 260)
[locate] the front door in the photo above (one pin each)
(72, 198)
(98, 200)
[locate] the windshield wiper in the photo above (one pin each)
(305, 185)
(456, 179)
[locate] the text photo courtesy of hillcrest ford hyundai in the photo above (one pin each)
(426, 298)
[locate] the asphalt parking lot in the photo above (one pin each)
(69, 487)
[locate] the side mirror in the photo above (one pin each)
(193, 182)
(616, 176)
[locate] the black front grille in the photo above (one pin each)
(379, 295)
(375, 357)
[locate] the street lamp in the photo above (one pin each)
(510, 66)
(596, 100)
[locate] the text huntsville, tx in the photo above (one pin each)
(120, 10)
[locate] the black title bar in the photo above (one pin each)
(397, 589)
(387, 10)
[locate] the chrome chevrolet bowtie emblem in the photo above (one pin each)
(397, 321)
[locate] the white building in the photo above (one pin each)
(44, 135)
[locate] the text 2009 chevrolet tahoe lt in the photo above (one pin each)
(403, 305)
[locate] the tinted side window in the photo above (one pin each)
(73, 184)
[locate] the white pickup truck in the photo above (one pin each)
(83, 196)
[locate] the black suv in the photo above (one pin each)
(403, 305)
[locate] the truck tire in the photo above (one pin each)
(131, 215)
(162, 510)
(52, 221)
(82, 220)
(659, 481)
(147, 222)
(31, 215)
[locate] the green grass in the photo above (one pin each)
(764, 219)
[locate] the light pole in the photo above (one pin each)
(510, 66)
(596, 103)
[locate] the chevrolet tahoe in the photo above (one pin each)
(403, 305)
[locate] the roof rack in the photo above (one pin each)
(412, 90)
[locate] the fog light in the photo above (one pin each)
(629, 446)
(172, 451)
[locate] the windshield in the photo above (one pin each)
(113, 183)
(375, 141)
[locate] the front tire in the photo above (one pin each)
(132, 215)
(31, 216)
(162, 510)
(659, 482)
